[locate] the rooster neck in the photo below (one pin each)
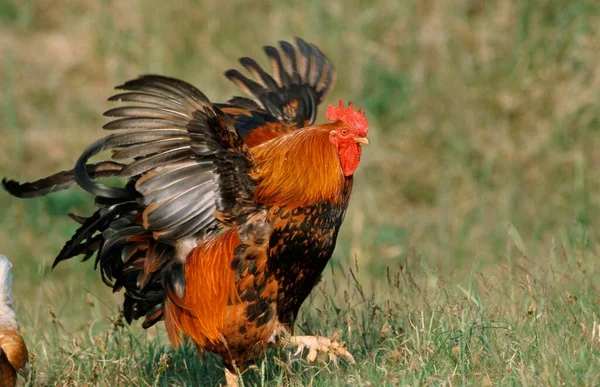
(299, 169)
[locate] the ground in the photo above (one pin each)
(469, 253)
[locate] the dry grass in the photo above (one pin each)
(479, 191)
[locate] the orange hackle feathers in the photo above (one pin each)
(354, 119)
(265, 133)
(305, 168)
(209, 288)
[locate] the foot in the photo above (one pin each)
(318, 343)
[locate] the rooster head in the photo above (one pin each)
(349, 133)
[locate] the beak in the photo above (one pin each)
(362, 140)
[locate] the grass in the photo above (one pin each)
(469, 253)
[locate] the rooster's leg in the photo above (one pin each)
(231, 378)
(318, 343)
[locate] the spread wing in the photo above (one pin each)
(188, 171)
(288, 98)
(187, 158)
(181, 154)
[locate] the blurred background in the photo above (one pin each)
(485, 133)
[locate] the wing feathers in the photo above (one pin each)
(148, 98)
(187, 155)
(258, 73)
(290, 61)
(148, 123)
(149, 148)
(247, 85)
(167, 176)
(279, 72)
(145, 112)
(180, 209)
(301, 78)
(146, 164)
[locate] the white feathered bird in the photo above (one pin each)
(13, 351)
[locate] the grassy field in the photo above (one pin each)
(470, 252)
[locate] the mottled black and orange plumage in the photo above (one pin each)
(231, 211)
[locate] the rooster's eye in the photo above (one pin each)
(344, 132)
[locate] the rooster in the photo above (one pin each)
(230, 211)
(13, 351)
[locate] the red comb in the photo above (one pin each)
(355, 119)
